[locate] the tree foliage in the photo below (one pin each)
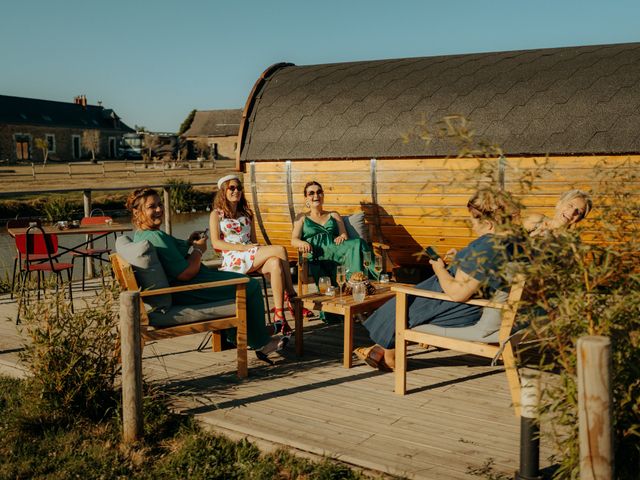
(184, 126)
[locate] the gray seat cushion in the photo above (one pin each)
(183, 314)
(356, 226)
(486, 330)
(148, 270)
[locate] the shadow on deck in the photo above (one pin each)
(456, 421)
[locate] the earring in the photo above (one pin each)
(308, 204)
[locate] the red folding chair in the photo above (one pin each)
(19, 258)
(101, 254)
(36, 244)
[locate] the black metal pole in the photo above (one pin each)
(529, 429)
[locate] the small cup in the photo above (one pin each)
(331, 291)
(108, 221)
(33, 224)
(323, 284)
(384, 278)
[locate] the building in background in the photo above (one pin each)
(213, 134)
(61, 124)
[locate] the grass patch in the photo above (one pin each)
(38, 445)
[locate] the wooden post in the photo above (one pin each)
(130, 348)
(167, 210)
(86, 200)
(594, 408)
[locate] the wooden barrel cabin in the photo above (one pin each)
(385, 137)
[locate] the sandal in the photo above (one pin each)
(305, 312)
(280, 324)
(374, 357)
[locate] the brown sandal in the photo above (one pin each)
(373, 356)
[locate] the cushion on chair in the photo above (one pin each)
(486, 330)
(182, 314)
(148, 270)
(356, 227)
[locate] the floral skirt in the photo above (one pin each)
(238, 261)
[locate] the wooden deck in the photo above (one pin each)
(455, 420)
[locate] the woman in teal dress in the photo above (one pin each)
(321, 235)
(182, 263)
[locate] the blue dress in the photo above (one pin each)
(481, 259)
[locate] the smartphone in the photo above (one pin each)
(431, 253)
(204, 233)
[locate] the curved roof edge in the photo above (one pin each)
(246, 111)
(559, 101)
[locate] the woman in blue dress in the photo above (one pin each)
(182, 263)
(475, 266)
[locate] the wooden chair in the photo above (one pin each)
(498, 345)
(231, 314)
(356, 228)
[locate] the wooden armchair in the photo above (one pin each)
(491, 337)
(180, 320)
(356, 228)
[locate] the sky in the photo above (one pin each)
(155, 61)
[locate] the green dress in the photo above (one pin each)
(326, 255)
(172, 253)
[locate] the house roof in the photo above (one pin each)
(215, 123)
(552, 101)
(32, 111)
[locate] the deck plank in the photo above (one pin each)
(456, 416)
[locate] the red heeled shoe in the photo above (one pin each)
(305, 312)
(280, 324)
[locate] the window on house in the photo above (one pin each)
(51, 142)
(75, 146)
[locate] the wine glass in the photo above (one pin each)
(366, 260)
(323, 284)
(377, 265)
(341, 278)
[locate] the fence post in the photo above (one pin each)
(529, 426)
(167, 209)
(594, 408)
(33, 170)
(130, 349)
(86, 201)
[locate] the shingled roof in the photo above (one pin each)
(33, 111)
(573, 100)
(215, 123)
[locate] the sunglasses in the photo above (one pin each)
(233, 188)
(311, 193)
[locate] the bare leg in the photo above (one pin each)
(390, 357)
(267, 252)
(273, 268)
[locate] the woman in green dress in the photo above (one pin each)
(321, 235)
(182, 263)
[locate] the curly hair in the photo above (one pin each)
(135, 199)
(221, 203)
(498, 207)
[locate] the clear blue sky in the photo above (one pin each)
(154, 61)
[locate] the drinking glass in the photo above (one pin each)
(359, 291)
(366, 260)
(323, 284)
(341, 278)
(377, 265)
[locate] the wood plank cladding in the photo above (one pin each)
(416, 202)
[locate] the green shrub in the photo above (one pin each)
(72, 356)
(60, 208)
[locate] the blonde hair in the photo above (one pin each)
(575, 193)
(498, 207)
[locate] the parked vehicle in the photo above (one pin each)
(135, 146)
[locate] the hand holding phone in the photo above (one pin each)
(204, 233)
(431, 253)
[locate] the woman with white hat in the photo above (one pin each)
(233, 234)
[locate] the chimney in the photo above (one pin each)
(84, 101)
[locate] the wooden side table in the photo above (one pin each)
(348, 310)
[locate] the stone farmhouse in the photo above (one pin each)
(62, 124)
(216, 128)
